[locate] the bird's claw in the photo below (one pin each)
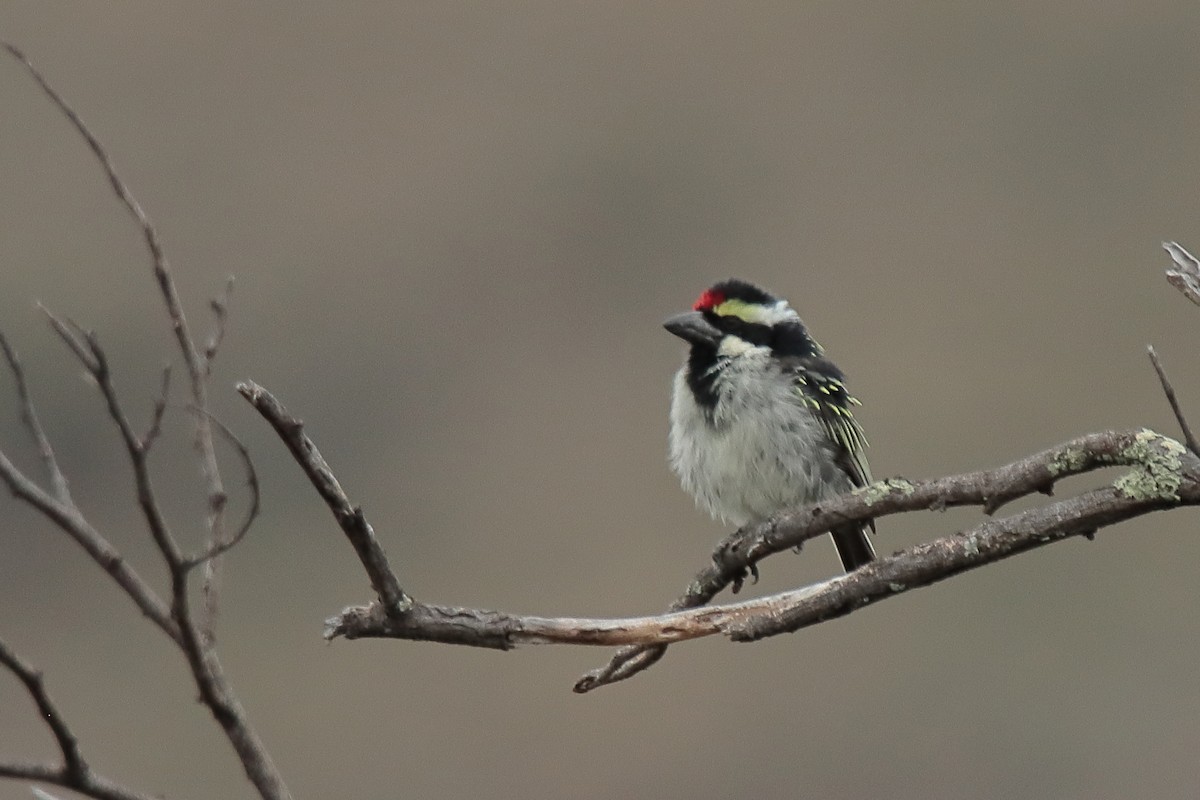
(751, 571)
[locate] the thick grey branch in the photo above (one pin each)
(1161, 479)
(990, 489)
(934, 561)
(753, 619)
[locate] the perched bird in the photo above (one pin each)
(760, 418)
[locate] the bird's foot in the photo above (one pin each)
(738, 558)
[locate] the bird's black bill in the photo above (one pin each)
(691, 326)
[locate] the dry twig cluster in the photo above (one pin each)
(190, 629)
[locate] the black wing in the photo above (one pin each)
(823, 388)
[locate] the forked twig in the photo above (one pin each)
(74, 772)
(73, 336)
(68, 745)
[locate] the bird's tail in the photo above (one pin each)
(853, 546)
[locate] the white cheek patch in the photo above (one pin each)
(733, 346)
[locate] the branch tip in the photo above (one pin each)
(1169, 391)
(349, 517)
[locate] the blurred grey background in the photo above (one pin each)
(456, 229)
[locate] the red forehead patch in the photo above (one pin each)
(709, 300)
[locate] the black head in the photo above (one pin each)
(734, 318)
(738, 309)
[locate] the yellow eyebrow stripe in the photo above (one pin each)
(749, 312)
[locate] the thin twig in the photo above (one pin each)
(220, 309)
(1169, 391)
(255, 497)
(350, 518)
(160, 409)
(96, 361)
(58, 481)
(73, 336)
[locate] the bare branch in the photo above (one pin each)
(255, 497)
(87, 348)
(1161, 480)
(985, 543)
(351, 519)
(68, 518)
(990, 489)
(788, 611)
(58, 481)
(197, 369)
(1186, 275)
(117, 184)
(215, 691)
(1169, 391)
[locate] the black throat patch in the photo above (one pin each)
(703, 367)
